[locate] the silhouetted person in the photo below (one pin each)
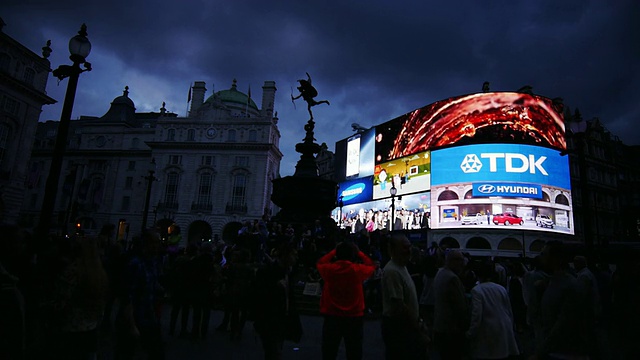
(241, 276)
(451, 318)
(273, 311)
(202, 268)
(12, 306)
(138, 318)
(561, 327)
(402, 330)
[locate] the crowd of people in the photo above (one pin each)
(58, 296)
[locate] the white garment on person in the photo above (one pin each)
(490, 332)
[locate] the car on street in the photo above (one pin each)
(475, 219)
(507, 219)
(544, 221)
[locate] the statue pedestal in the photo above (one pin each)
(305, 197)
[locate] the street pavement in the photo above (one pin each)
(217, 345)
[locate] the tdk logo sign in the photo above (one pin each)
(512, 163)
(471, 164)
(486, 189)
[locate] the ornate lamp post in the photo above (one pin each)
(150, 179)
(393, 192)
(340, 204)
(79, 47)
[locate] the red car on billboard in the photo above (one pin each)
(507, 219)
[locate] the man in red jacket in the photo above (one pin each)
(342, 302)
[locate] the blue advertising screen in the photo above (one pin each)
(500, 186)
(356, 191)
(503, 163)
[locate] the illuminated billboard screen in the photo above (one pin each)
(356, 190)
(492, 117)
(410, 174)
(501, 186)
(354, 156)
(412, 212)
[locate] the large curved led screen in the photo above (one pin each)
(485, 160)
(494, 117)
(501, 186)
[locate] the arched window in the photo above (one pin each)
(448, 195)
(171, 135)
(561, 199)
(231, 135)
(135, 143)
(191, 135)
(253, 135)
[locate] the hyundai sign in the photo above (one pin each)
(500, 186)
(507, 190)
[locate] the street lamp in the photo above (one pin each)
(79, 48)
(340, 204)
(393, 192)
(150, 179)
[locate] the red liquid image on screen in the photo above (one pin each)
(475, 119)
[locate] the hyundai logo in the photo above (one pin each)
(471, 164)
(487, 189)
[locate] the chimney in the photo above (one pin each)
(268, 98)
(197, 98)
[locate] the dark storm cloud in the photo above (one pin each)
(373, 60)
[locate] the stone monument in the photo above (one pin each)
(305, 197)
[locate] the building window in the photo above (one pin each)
(191, 135)
(29, 75)
(231, 135)
(238, 192)
(242, 161)
(204, 189)
(171, 135)
(128, 183)
(171, 190)
(10, 105)
(253, 135)
(135, 143)
(207, 160)
(4, 137)
(126, 203)
(5, 62)
(132, 165)
(175, 159)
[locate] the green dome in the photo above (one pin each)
(232, 97)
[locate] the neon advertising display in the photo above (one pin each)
(497, 185)
(485, 160)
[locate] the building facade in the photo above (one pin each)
(23, 80)
(204, 173)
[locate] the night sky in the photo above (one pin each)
(374, 60)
